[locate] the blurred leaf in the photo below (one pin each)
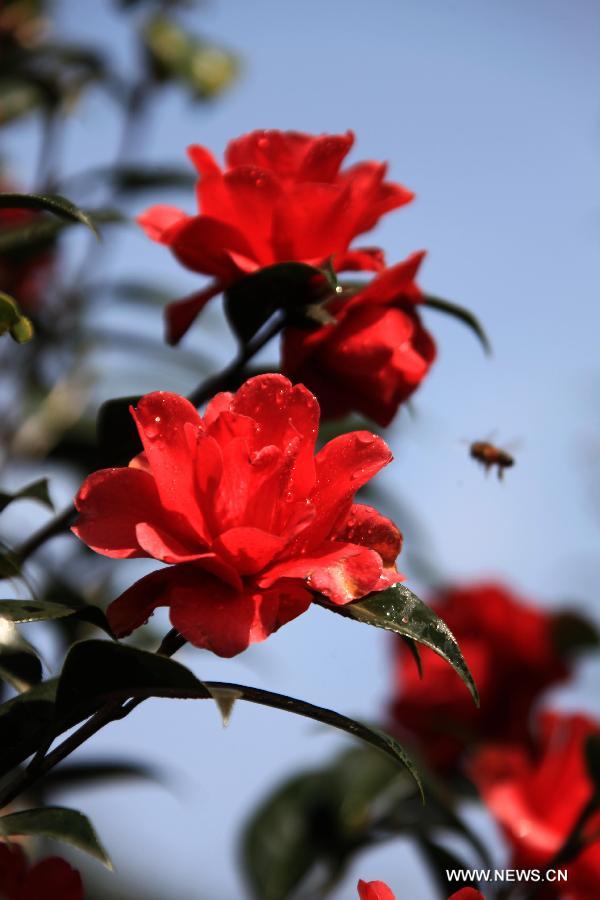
(202, 67)
(58, 206)
(43, 231)
(592, 760)
(118, 438)
(573, 634)
(97, 670)
(24, 721)
(60, 824)
(397, 609)
(251, 301)
(464, 315)
(20, 665)
(18, 97)
(80, 774)
(31, 610)
(441, 860)
(12, 320)
(314, 823)
(37, 490)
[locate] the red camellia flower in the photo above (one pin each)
(374, 890)
(509, 648)
(249, 519)
(51, 879)
(375, 354)
(537, 797)
(280, 198)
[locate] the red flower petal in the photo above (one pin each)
(215, 616)
(342, 572)
(283, 412)
(325, 156)
(203, 244)
(52, 879)
(363, 259)
(171, 431)
(368, 527)
(203, 160)
(180, 314)
(374, 890)
(248, 550)
(13, 867)
(394, 284)
(281, 152)
(343, 466)
(111, 503)
(158, 222)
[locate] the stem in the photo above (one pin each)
(110, 712)
(51, 529)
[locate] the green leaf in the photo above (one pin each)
(592, 760)
(12, 320)
(40, 233)
(20, 665)
(99, 670)
(24, 721)
(32, 610)
(441, 860)
(175, 54)
(82, 774)
(60, 824)
(58, 206)
(397, 609)
(37, 490)
(464, 315)
(251, 301)
(573, 634)
(314, 823)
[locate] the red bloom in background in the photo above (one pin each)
(374, 890)
(23, 275)
(249, 519)
(51, 879)
(280, 198)
(509, 648)
(467, 893)
(376, 353)
(536, 797)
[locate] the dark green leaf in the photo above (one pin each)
(592, 760)
(20, 665)
(58, 823)
(252, 300)
(24, 721)
(573, 634)
(397, 609)
(58, 206)
(465, 315)
(441, 860)
(37, 490)
(97, 670)
(317, 821)
(32, 610)
(82, 774)
(40, 233)
(118, 438)
(12, 320)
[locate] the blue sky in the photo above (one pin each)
(491, 113)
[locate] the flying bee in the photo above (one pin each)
(489, 455)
